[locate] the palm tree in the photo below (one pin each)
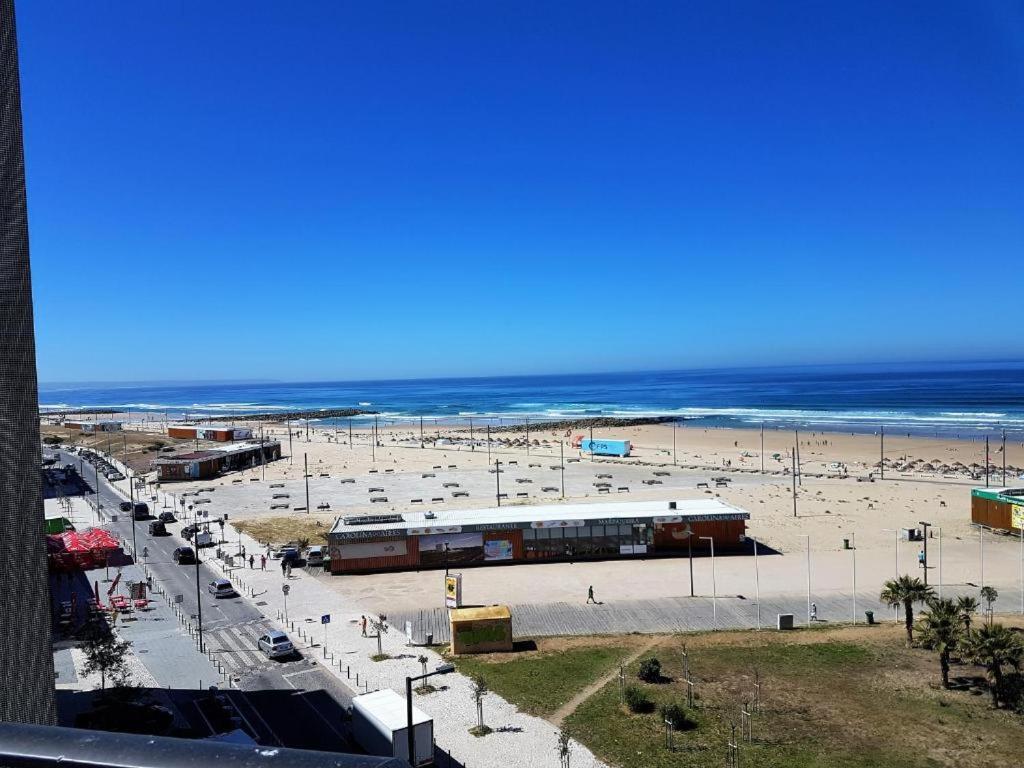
(966, 605)
(939, 629)
(989, 595)
(994, 646)
(905, 591)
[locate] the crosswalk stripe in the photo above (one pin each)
(234, 652)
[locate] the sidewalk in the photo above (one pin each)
(518, 739)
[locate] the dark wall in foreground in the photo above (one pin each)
(26, 661)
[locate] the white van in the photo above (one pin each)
(315, 555)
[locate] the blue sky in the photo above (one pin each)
(342, 190)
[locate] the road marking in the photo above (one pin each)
(300, 672)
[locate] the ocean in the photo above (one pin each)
(956, 399)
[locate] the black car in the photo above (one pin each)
(166, 517)
(157, 528)
(188, 532)
(125, 506)
(141, 510)
(184, 556)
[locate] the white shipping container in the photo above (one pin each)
(379, 722)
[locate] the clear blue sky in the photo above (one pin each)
(314, 190)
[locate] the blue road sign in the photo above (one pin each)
(325, 619)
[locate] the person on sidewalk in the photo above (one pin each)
(814, 611)
(252, 561)
(590, 595)
(363, 620)
(284, 568)
(263, 562)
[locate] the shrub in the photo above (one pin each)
(650, 671)
(637, 700)
(53, 440)
(676, 715)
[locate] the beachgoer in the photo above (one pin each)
(263, 562)
(252, 561)
(590, 595)
(284, 567)
(814, 611)
(363, 620)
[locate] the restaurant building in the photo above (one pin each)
(199, 465)
(1000, 509)
(92, 427)
(218, 433)
(413, 540)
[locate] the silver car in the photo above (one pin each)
(276, 643)
(221, 588)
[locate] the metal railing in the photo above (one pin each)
(41, 745)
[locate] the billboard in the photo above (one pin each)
(1017, 516)
(461, 548)
(367, 549)
(453, 590)
(497, 549)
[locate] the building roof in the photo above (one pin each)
(479, 614)
(535, 516)
(389, 709)
(216, 452)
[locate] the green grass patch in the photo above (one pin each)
(540, 684)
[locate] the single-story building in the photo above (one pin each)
(91, 427)
(414, 540)
(998, 508)
(218, 433)
(199, 465)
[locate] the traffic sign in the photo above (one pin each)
(325, 619)
(286, 588)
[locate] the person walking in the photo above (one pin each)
(363, 621)
(590, 595)
(252, 561)
(263, 562)
(814, 611)
(284, 568)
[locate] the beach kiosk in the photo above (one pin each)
(481, 630)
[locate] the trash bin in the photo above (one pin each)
(428, 639)
(846, 543)
(870, 616)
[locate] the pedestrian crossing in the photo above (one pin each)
(235, 646)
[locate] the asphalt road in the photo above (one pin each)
(289, 702)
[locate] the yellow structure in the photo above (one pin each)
(481, 630)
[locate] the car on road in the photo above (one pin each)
(315, 555)
(188, 531)
(221, 588)
(275, 644)
(157, 528)
(141, 510)
(125, 506)
(184, 556)
(167, 517)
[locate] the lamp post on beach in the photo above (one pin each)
(674, 462)
(757, 584)
(561, 466)
(924, 550)
(807, 539)
(853, 553)
(714, 583)
(497, 480)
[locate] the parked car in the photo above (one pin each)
(276, 644)
(184, 556)
(157, 528)
(167, 517)
(125, 506)
(221, 588)
(315, 555)
(189, 531)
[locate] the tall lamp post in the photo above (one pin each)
(444, 669)
(714, 583)
(199, 602)
(924, 560)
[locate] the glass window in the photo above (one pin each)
(543, 533)
(597, 531)
(529, 534)
(583, 532)
(556, 533)
(626, 531)
(570, 533)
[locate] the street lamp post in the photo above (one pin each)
(497, 480)
(807, 539)
(853, 551)
(924, 562)
(757, 585)
(444, 669)
(714, 583)
(199, 602)
(981, 548)
(940, 563)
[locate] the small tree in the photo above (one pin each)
(636, 700)
(675, 715)
(423, 663)
(650, 671)
(966, 607)
(905, 591)
(994, 646)
(939, 629)
(380, 628)
(564, 749)
(480, 690)
(989, 595)
(106, 653)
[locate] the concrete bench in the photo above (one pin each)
(450, 485)
(652, 482)
(604, 490)
(437, 500)
(438, 466)
(428, 474)
(415, 501)
(388, 471)
(662, 473)
(460, 494)
(452, 466)
(376, 490)
(279, 506)
(513, 463)
(522, 495)
(279, 485)
(523, 480)
(347, 480)
(378, 499)
(549, 489)
(325, 474)
(702, 485)
(281, 496)
(325, 505)
(623, 489)
(373, 471)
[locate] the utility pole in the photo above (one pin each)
(986, 461)
(799, 473)
(794, 482)
(561, 463)
(199, 602)
(674, 462)
(350, 445)
(689, 553)
(471, 429)
(290, 441)
(762, 447)
(488, 439)
(527, 435)
(263, 458)
(421, 432)
(881, 450)
(1004, 458)
(497, 480)
(305, 476)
